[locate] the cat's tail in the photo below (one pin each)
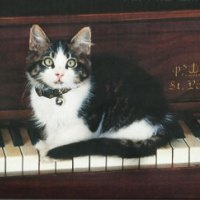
(119, 147)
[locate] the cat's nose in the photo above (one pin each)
(59, 75)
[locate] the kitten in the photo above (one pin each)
(93, 106)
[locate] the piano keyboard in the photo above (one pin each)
(18, 156)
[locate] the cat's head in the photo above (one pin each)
(57, 63)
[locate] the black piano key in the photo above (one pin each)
(15, 134)
(2, 144)
(34, 132)
(3, 125)
(179, 133)
(193, 124)
(33, 136)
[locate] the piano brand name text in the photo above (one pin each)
(185, 77)
(192, 70)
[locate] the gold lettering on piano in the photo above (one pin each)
(192, 70)
(186, 85)
(185, 77)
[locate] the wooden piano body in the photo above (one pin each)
(166, 44)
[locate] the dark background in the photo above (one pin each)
(63, 7)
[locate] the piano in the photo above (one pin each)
(165, 42)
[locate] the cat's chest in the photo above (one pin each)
(47, 111)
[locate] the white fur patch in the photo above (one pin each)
(63, 126)
(138, 130)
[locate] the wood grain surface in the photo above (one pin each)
(139, 184)
(166, 44)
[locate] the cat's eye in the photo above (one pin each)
(48, 62)
(72, 63)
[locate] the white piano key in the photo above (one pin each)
(97, 163)
(81, 164)
(30, 160)
(193, 143)
(114, 163)
(164, 157)
(148, 162)
(12, 154)
(30, 155)
(2, 163)
(64, 165)
(180, 153)
(131, 163)
(41, 165)
(47, 166)
(13, 161)
(6, 137)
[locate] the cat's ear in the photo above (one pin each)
(38, 40)
(81, 42)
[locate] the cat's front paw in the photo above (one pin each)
(42, 147)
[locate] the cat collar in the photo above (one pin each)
(50, 93)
